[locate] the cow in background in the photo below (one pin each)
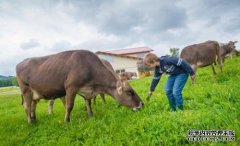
(227, 50)
(203, 54)
(206, 53)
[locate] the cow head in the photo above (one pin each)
(126, 96)
(228, 47)
(231, 44)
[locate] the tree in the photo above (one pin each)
(14, 81)
(174, 52)
(142, 68)
(5, 83)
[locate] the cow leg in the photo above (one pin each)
(27, 100)
(213, 69)
(89, 109)
(194, 67)
(33, 110)
(220, 65)
(70, 97)
(63, 101)
(220, 61)
(94, 100)
(103, 97)
(50, 106)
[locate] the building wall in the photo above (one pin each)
(119, 63)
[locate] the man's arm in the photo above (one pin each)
(156, 79)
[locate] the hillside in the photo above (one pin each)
(5, 78)
(213, 103)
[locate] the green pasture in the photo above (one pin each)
(213, 103)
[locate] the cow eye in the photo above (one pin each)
(130, 93)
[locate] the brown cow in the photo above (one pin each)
(67, 74)
(51, 102)
(227, 49)
(204, 54)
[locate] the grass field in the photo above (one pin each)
(213, 103)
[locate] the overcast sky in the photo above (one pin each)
(40, 27)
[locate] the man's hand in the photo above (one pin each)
(149, 95)
(193, 79)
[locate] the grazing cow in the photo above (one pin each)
(228, 49)
(203, 54)
(51, 102)
(67, 74)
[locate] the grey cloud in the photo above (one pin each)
(221, 14)
(30, 44)
(232, 25)
(104, 44)
(152, 17)
(19, 7)
(164, 18)
(119, 18)
(119, 24)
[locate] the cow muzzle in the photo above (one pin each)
(139, 106)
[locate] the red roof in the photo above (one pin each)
(118, 55)
(128, 51)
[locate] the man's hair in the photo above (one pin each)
(150, 58)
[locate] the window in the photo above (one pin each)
(120, 71)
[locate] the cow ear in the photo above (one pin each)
(120, 90)
(235, 42)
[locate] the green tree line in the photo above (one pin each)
(8, 82)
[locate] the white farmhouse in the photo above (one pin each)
(124, 60)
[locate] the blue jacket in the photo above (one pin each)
(171, 66)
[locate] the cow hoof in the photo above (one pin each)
(90, 115)
(32, 121)
(67, 120)
(50, 112)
